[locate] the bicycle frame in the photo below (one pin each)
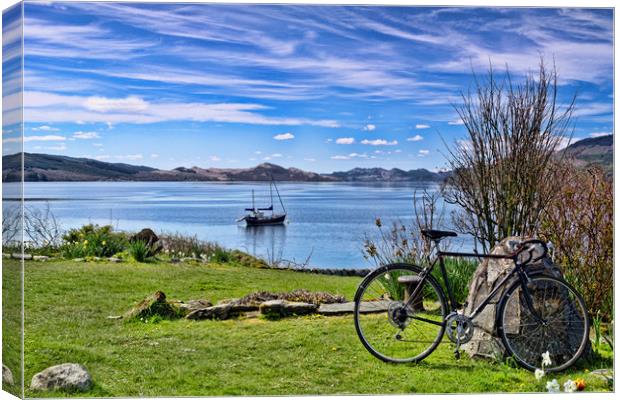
(518, 270)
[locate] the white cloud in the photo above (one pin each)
(456, 122)
(340, 157)
(370, 127)
(45, 128)
(215, 158)
(86, 135)
(345, 140)
(566, 141)
(46, 138)
(423, 153)
(44, 106)
(599, 134)
(379, 142)
(415, 138)
(258, 152)
(104, 104)
(398, 151)
(276, 155)
(358, 155)
(310, 159)
(154, 155)
(98, 144)
(422, 126)
(129, 157)
(284, 136)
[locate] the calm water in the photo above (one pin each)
(327, 221)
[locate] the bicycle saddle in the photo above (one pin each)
(435, 234)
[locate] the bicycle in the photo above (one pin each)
(401, 311)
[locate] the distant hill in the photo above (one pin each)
(45, 167)
(593, 151)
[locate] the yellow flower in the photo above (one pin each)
(103, 243)
(85, 242)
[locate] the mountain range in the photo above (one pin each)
(46, 167)
(49, 168)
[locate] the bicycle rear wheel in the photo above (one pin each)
(563, 333)
(390, 330)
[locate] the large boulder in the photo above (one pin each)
(149, 237)
(154, 305)
(67, 377)
(490, 272)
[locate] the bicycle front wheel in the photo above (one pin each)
(390, 329)
(563, 331)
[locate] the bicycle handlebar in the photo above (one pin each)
(522, 247)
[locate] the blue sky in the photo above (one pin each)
(321, 88)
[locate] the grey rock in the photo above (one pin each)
(227, 301)
(115, 317)
(20, 256)
(603, 373)
(114, 259)
(283, 308)
(221, 312)
(193, 305)
(486, 342)
(7, 375)
(40, 258)
(67, 377)
(188, 259)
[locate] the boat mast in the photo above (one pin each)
(253, 203)
(278, 193)
(271, 196)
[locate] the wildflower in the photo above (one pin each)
(581, 384)
(553, 386)
(539, 373)
(570, 386)
(85, 242)
(546, 359)
(103, 243)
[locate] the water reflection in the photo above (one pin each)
(265, 241)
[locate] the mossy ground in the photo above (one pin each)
(66, 309)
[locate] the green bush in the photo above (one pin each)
(92, 241)
(177, 245)
(139, 250)
(460, 272)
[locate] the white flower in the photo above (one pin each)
(570, 386)
(539, 373)
(553, 386)
(546, 359)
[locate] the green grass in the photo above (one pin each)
(67, 304)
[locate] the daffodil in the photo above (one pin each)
(570, 386)
(546, 359)
(553, 386)
(539, 373)
(85, 242)
(103, 243)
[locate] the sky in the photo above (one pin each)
(322, 88)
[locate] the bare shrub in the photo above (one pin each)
(41, 228)
(579, 222)
(502, 177)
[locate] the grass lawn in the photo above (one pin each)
(67, 304)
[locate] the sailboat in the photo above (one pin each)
(259, 217)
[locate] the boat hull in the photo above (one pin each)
(262, 221)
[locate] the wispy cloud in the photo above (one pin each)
(600, 134)
(45, 128)
(423, 153)
(86, 135)
(370, 127)
(422, 126)
(46, 138)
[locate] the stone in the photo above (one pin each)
(152, 305)
(366, 307)
(40, 258)
(21, 256)
(115, 317)
(114, 259)
(149, 237)
(283, 308)
(221, 311)
(7, 376)
(67, 377)
(486, 342)
(603, 373)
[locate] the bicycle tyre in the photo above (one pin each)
(529, 356)
(442, 305)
